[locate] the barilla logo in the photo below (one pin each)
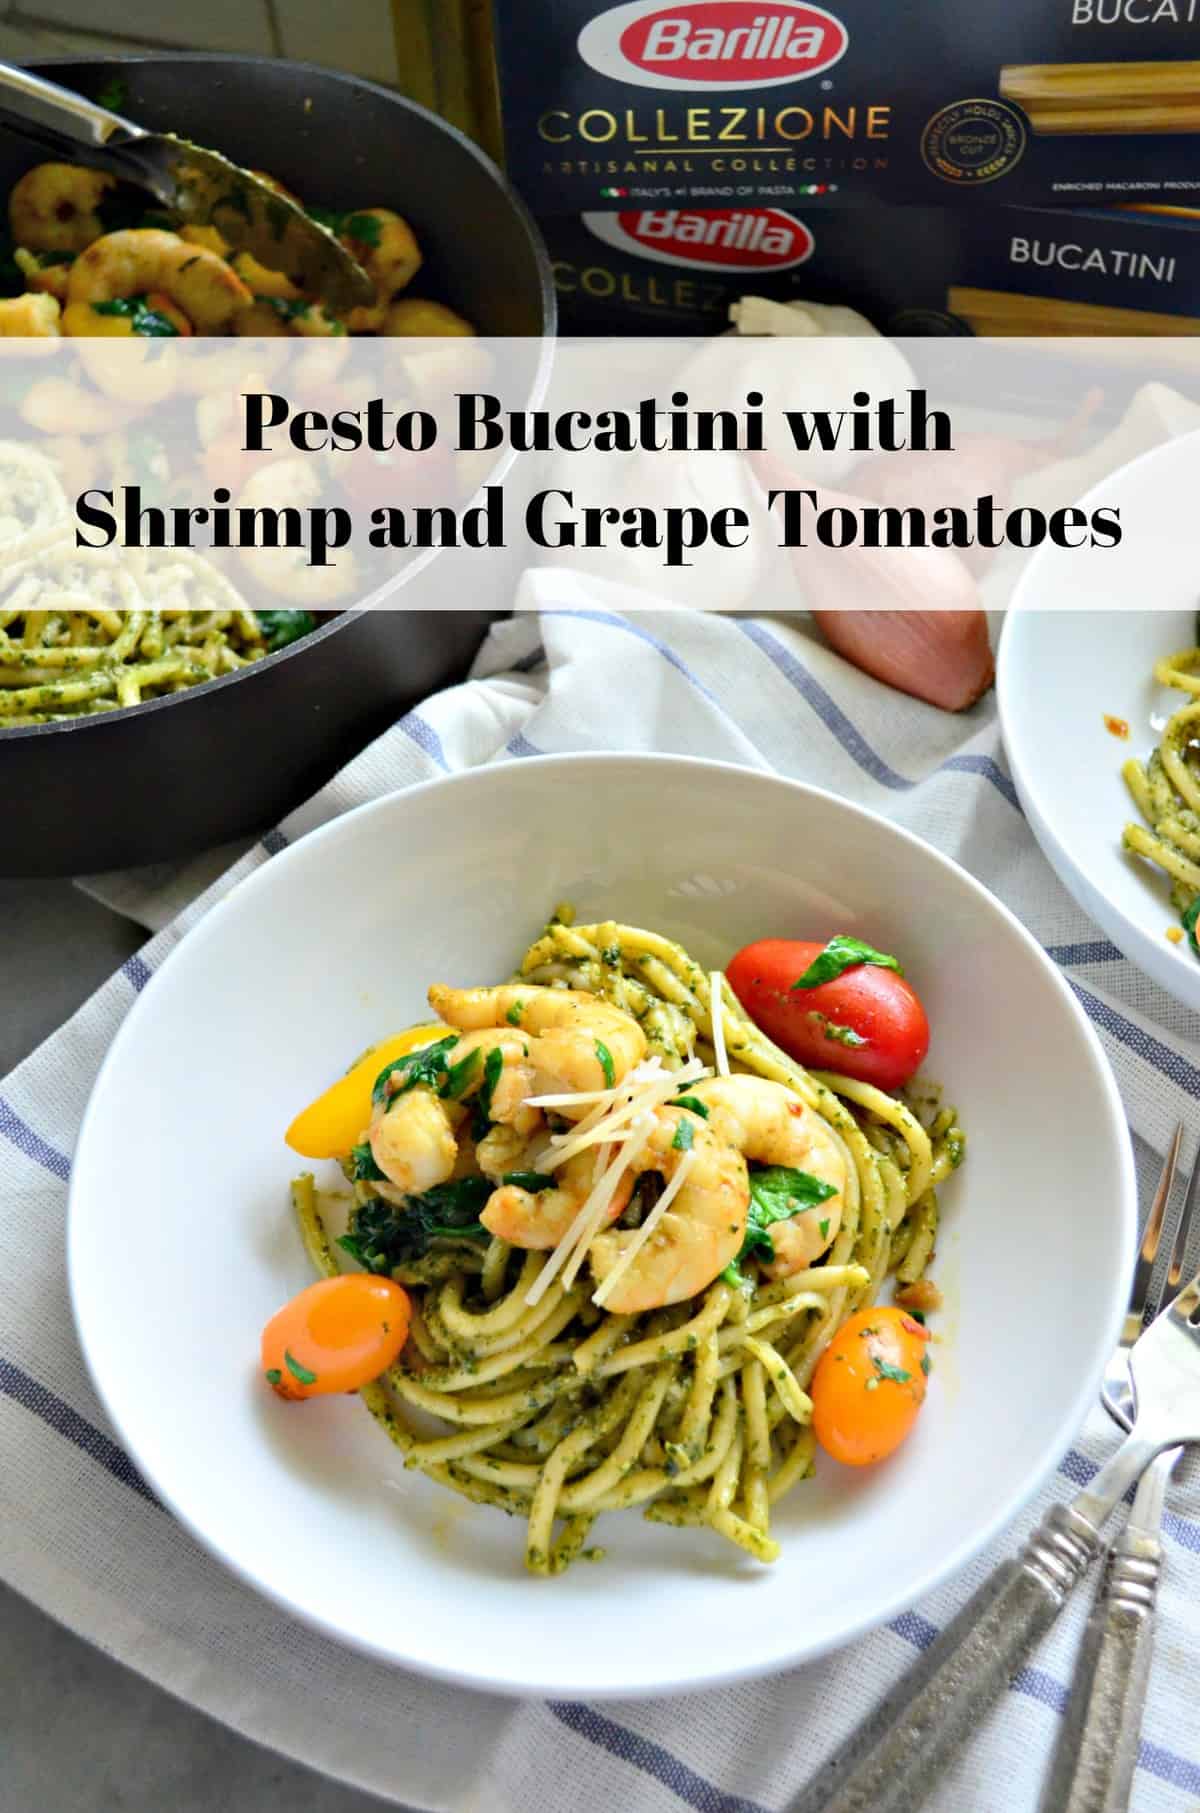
(719, 239)
(713, 43)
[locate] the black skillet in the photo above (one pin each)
(197, 768)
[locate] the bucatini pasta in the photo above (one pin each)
(1106, 97)
(1003, 312)
(566, 1178)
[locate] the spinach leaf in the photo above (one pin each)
(530, 1180)
(281, 627)
(430, 1066)
(481, 1107)
(777, 1192)
(363, 1168)
(840, 954)
(459, 1076)
(382, 1236)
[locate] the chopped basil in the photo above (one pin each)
(886, 1370)
(363, 227)
(513, 1016)
(691, 1102)
(530, 1180)
(841, 1035)
(682, 1141)
(430, 1066)
(1188, 922)
(606, 1063)
(274, 1376)
(329, 218)
(149, 322)
(288, 308)
(840, 954)
(363, 1168)
(824, 1227)
(299, 1372)
(926, 1364)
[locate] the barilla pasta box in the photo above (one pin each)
(1021, 271)
(668, 104)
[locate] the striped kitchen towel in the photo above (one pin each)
(85, 1538)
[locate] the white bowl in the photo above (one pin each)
(1060, 671)
(181, 1245)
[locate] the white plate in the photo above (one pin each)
(1061, 670)
(181, 1245)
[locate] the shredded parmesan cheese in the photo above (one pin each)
(644, 1232)
(716, 1010)
(590, 1215)
(618, 1126)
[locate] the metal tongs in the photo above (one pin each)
(197, 186)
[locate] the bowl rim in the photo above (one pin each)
(948, 1565)
(549, 307)
(1136, 944)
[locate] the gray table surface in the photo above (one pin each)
(79, 1733)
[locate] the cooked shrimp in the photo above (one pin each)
(419, 315)
(139, 259)
(286, 571)
(412, 1141)
(572, 1033)
(538, 1219)
(413, 1134)
(388, 252)
(34, 317)
(55, 207)
(50, 279)
(771, 1126)
(701, 1231)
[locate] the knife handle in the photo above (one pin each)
(59, 112)
(891, 1762)
(1097, 1750)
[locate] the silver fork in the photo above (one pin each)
(891, 1763)
(1096, 1754)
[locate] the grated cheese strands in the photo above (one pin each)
(716, 1013)
(650, 1070)
(644, 1232)
(601, 1199)
(602, 1193)
(608, 1124)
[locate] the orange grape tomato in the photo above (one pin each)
(336, 1335)
(870, 1384)
(331, 1124)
